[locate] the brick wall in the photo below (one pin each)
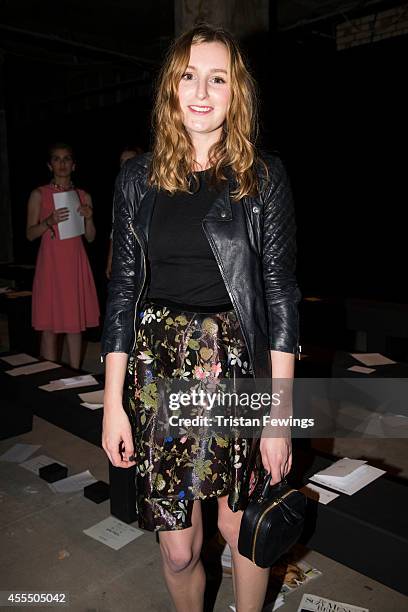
(385, 24)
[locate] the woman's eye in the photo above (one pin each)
(218, 80)
(187, 76)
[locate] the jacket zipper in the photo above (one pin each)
(214, 250)
(142, 285)
(260, 519)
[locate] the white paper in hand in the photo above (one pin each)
(75, 224)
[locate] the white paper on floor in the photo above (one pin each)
(113, 532)
(347, 475)
(315, 603)
(323, 496)
(373, 424)
(41, 366)
(19, 452)
(280, 600)
(76, 380)
(92, 397)
(372, 359)
(91, 406)
(60, 384)
(361, 369)
(341, 468)
(19, 359)
(34, 464)
(73, 483)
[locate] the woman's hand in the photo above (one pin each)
(85, 211)
(276, 452)
(117, 441)
(276, 456)
(59, 215)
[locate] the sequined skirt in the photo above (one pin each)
(172, 472)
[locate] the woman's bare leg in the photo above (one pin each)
(250, 581)
(74, 349)
(183, 570)
(48, 346)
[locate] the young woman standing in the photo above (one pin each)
(64, 297)
(202, 287)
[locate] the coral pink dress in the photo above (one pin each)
(64, 295)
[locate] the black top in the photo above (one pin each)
(183, 269)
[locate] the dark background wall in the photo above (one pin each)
(336, 117)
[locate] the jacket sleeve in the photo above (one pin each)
(118, 330)
(279, 261)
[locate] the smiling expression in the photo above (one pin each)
(204, 89)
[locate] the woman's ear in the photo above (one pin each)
(49, 166)
(73, 167)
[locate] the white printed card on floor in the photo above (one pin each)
(279, 601)
(19, 359)
(372, 359)
(361, 370)
(92, 397)
(34, 368)
(34, 464)
(91, 406)
(315, 603)
(73, 483)
(113, 532)
(19, 452)
(323, 496)
(347, 475)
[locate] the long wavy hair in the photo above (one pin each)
(173, 151)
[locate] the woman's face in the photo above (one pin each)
(61, 163)
(204, 89)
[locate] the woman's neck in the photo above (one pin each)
(202, 144)
(61, 181)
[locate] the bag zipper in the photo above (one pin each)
(274, 503)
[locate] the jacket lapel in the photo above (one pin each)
(221, 207)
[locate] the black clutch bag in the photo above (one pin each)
(272, 523)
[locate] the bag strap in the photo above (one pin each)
(275, 487)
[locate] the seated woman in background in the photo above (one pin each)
(64, 296)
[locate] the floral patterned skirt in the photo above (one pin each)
(173, 472)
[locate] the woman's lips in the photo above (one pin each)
(200, 110)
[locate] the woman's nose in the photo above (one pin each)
(201, 89)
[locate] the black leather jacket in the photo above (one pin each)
(253, 242)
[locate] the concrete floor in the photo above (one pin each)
(43, 547)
